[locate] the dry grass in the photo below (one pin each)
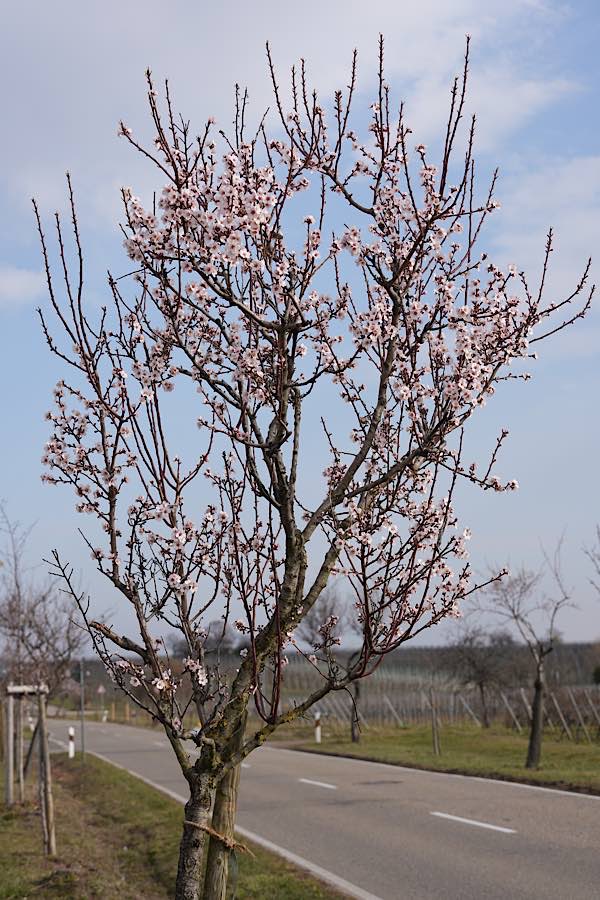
(118, 840)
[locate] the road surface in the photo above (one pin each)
(382, 832)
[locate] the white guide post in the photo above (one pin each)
(317, 727)
(71, 742)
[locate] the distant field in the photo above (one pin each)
(118, 840)
(495, 752)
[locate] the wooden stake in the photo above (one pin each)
(41, 787)
(19, 749)
(47, 802)
(30, 749)
(9, 750)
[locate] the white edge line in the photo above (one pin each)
(325, 784)
(322, 874)
(442, 815)
(505, 782)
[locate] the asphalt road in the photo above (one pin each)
(386, 832)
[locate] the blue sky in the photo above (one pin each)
(70, 72)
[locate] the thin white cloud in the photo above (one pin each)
(561, 192)
(19, 286)
(79, 69)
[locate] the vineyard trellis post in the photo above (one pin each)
(578, 714)
(591, 705)
(469, 710)
(566, 728)
(511, 712)
(392, 709)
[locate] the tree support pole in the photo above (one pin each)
(221, 864)
(9, 750)
(46, 779)
(19, 749)
(30, 749)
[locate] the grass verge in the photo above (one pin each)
(468, 750)
(118, 839)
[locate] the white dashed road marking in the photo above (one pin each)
(331, 787)
(442, 815)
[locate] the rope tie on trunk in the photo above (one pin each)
(228, 842)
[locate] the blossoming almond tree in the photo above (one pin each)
(313, 303)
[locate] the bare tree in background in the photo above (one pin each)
(593, 554)
(37, 627)
(318, 304)
(330, 607)
(480, 659)
(333, 611)
(222, 639)
(519, 601)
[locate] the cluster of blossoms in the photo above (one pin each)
(197, 670)
(164, 682)
(131, 669)
(206, 214)
(328, 634)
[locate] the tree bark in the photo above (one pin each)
(219, 857)
(485, 715)
(534, 750)
(193, 840)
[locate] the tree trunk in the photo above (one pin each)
(354, 717)
(485, 716)
(221, 864)
(193, 840)
(534, 751)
